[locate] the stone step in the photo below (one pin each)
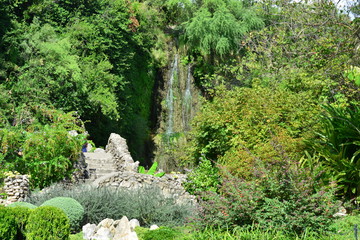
(99, 165)
(102, 157)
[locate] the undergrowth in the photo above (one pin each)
(148, 205)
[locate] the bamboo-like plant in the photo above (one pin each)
(339, 148)
(152, 170)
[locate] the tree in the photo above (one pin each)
(217, 27)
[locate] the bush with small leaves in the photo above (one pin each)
(21, 214)
(47, 222)
(282, 197)
(72, 208)
(8, 229)
(205, 177)
(22, 204)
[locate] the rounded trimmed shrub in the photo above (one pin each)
(72, 208)
(47, 222)
(8, 228)
(22, 204)
(21, 215)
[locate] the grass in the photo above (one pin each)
(186, 233)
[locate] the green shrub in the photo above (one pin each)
(148, 205)
(205, 177)
(22, 204)
(72, 208)
(282, 198)
(8, 229)
(47, 222)
(21, 215)
(162, 233)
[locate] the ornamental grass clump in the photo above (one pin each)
(148, 204)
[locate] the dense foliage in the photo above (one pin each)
(281, 197)
(8, 229)
(72, 208)
(47, 222)
(277, 131)
(40, 144)
(93, 58)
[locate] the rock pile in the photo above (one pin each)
(16, 188)
(109, 229)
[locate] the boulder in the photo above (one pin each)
(154, 227)
(102, 234)
(123, 227)
(133, 224)
(106, 223)
(88, 231)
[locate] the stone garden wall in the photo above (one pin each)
(170, 184)
(16, 188)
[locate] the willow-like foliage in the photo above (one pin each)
(217, 27)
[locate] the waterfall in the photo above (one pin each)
(187, 102)
(178, 99)
(170, 97)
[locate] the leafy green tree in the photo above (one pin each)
(217, 27)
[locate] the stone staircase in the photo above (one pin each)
(99, 164)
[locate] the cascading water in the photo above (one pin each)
(187, 101)
(178, 100)
(170, 97)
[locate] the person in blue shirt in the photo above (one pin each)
(84, 147)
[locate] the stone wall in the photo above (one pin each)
(122, 159)
(170, 184)
(16, 187)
